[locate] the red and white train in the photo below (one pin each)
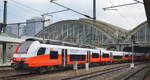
(36, 55)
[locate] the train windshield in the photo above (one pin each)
(24, 47)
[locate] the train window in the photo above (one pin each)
(77, 57)
(117, 57)
(41, 51)
(126, 55)
(105, 55)
(95, 55)
(24, 47)
(53, 54)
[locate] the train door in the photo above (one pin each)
(64, 57)
(100, 54)
(111, 56)
(88, 56)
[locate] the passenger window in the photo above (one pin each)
(105, 55)
(77, 57)
(117, 57)
(95, 55)
(53, 54)
(41, 51)
(126, 55)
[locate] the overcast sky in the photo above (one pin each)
(127, 17)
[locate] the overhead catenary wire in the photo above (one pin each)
(33, 10)
(119, 13)
(10, 13)
(139, 1)
(122, 5)
(12, 4)
(13, 14)
(29, 22)
(114, 8)
(19, 3)
(111, 5)
(27, 8)
(127, 21)
(22, 8)
(71, 9)
(55, 12)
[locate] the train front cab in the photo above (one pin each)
(37, 56)
(22, 53)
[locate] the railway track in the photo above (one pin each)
(14, 76)
(97, 73)
(78, 77)
(4, 66)
(146, 76)
(6, 69)
(140, 72)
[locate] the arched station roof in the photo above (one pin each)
(106, 27)
(141, 33)
(82, 30)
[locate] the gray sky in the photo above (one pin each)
(126, 17)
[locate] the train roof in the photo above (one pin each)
(58, 42)
(72, 47)
(66, 47)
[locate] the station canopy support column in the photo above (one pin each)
(147, 9)
(4, 30)
(4, 52)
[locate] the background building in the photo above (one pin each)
(12, 29)
(34, 25)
